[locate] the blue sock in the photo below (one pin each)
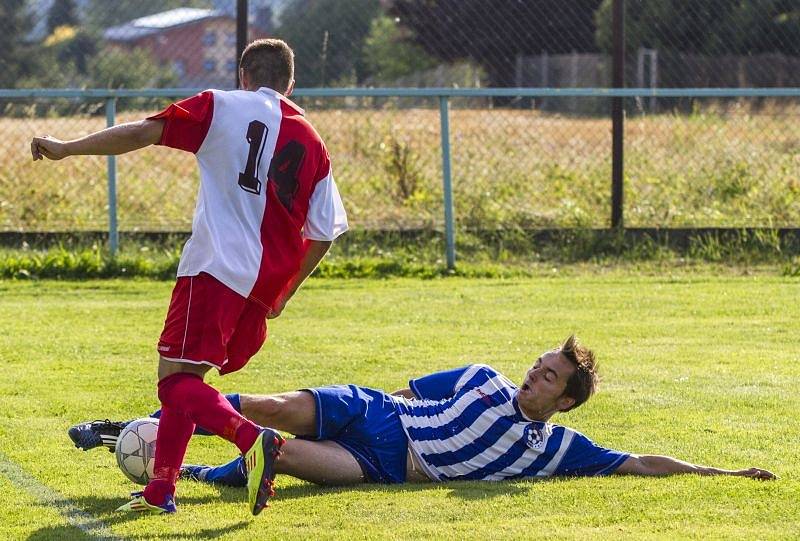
(200, 431)
(231, 474)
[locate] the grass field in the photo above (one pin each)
(511, 168)
(700, 367)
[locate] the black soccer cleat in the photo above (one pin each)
(260, 465)
(96, 433)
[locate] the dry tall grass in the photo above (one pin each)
(511, 168)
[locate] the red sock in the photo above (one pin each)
(174, 431)
(206, 407)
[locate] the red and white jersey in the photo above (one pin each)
(265, 184)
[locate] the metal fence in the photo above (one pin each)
(449, 165)
(519, 158)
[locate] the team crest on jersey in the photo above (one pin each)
(534, 437)
(485, 398)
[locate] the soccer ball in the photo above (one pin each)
(136, 449)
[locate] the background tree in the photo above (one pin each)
(390, 55)
(17, 60)
(709, 27)
(328, 39)
(493, 32)
(62, 13)
(115, 68)
(72, 46)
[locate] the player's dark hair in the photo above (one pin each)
(270, 63)
(583, 382)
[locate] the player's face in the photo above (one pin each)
(542, 391)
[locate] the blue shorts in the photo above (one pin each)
(366, 423)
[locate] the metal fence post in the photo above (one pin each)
(113, 233)
(450, 241)
(241, 33)
(618, 118)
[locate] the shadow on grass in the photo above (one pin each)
(466, 490)
(103, 509)
(59, 532)
(71, 532)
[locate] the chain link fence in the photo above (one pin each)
(518, 162)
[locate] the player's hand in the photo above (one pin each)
(48, 147)
(757, 473)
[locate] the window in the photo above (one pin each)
(209, 38)
(210, 65)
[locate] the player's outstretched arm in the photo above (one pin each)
(664, 465)
(110, 141)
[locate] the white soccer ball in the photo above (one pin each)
(136, 449)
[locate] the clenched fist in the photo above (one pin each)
(48, 147)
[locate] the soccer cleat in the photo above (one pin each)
(192, 472)
(260, 464)
(96, 433)
(139, 505)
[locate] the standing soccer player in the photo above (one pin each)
(267, 212)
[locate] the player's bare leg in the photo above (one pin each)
(294, 412)
(320, 462)
(167, 368)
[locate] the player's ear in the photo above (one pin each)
(565, 402)
(243, 79)
(290, 89)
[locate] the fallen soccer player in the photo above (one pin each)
(469, 423)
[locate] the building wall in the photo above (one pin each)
(203, 54)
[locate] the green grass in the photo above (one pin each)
(365, 254)
(701, 367)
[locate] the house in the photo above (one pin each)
(199, 44)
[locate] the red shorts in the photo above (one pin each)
(209, 323)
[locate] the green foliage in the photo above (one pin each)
(62, 13)
(792, 268)
(17, 59)
(328, 39)
(420, 254)
(493, 32)
(72, 57)
(116, 68)
(85, 263)
(63, 60)
(75, 62)
(740, 246)
(389, 54)
(78, 51)
(711, 27)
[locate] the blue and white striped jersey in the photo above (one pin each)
(466, 424)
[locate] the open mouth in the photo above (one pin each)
(525, 387)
